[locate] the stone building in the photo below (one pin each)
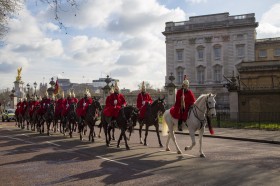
(206, 48)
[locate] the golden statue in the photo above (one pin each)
(18, 78)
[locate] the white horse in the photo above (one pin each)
(203, 107)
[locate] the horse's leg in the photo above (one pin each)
(168, 139)
(105, 128)
(201, 132)
(125, 140)
(100, 128)
(146, 134)
(70, 129)
(157, 130)
(192, 135)
(119, 140)
(48, 127)
(175, 142)
(140, 132)
(113, 133)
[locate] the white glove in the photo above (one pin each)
(43, 104)
(67, 105)
(143, 102)
(115, 102)
(24, 105)
(48, 104)
(84, 104)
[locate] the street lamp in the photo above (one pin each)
(28, 87)
(35, 85)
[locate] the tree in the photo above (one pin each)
(9, 8)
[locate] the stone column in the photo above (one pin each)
(233, 88)
(19, 93)
(171, 95)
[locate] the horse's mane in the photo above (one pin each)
(200, 98)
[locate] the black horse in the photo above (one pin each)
(90, 118)
(151, 118)
(70, 120)
(49, 117)
(126, 119)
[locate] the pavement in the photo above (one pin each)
(254, 135)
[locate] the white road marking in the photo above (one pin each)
(18, 139)
(52, 143)
(179, 154)
(112, 160)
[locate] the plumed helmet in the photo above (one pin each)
(20, 99)
(69, 93)
(116, 87)
(87, 93)
(46, 94)
(24, 98)
(40, 98)
(73, 94)
(143, 88)
(62, 94)
(186, 81)
(111, 90)
(58, 95)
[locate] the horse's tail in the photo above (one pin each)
(164, 126)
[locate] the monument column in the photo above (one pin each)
(171, 91)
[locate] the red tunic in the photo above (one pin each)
(66, 106)
(59, 107)
(18, 108)
(115, 102)
(23, 107)
(175, 111)
(82, 106)
(33, 105)
(43, 103)
(142, 100)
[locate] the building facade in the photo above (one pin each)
(206, 48)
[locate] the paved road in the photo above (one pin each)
(27, 158)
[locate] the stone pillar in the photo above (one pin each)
(233, 88)
(233, 105)
(13, 99)
(106, 89)
(19, 93)
(171, 95)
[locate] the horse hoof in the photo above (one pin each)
(118, 146)
(127, 148)
(186, 148)
(167, 149)
(179, 152)
(145, 144)
(160, 145)
(99, 136)
(141, 142)
(202, 156)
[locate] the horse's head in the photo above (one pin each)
(210, 105)
(96, 104)
(159, 105)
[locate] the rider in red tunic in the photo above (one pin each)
(18, 107)
(45, 101)
(23, 106)
(34, 104)
(184, 99)
(66, 105)
(74, 99)
(115, 102)
(83, 104)
(59, 105)
(143, 99)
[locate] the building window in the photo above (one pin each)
(200, 53)
(217, 52)
(277, 52)
(179, 54)
(217, 73)
(262, 53)
(240, 51)
(200, 74)
(180, 75)
(239, 37)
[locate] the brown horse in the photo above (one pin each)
(151, 118)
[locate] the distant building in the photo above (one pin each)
(100, 83)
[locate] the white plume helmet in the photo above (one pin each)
(73, 94)
(62, 94)
(111, 90)
(143, 87)
(87, 93)
(116, 87)
(46, 94)
(186, 81)
(69, 93)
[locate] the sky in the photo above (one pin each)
(119, 38)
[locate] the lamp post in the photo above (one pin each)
(35, 85)
(28, 88)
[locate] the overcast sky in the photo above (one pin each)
(120, 38)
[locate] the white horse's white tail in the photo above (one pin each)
(164, 127)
